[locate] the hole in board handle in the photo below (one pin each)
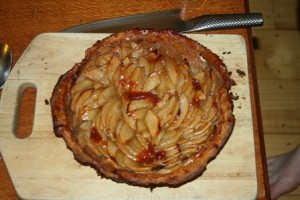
(26, 110)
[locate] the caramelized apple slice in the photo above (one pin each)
(142, 140)
(135, 74)
(89, 115)
(94, 74)
(152, 82)
(184, 108)
(172, 70)
(131, 164)
(129, 120)
(126, 133)
(168, 108)
(140, 114)
(152, 123)
(199, 76)
(106, 111)
(79, 99)
(139, 104)
(82, 85)
(169, 138)
(120, 158)
(141, 125)
(91, 102)
(112, 148)
(114, 63)
(106, 94)
(147, 67)
(114, 116)
(129, 70)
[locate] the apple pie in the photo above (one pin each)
(146, 108)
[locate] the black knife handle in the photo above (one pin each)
(226, 21)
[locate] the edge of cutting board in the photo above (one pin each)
(64, 178)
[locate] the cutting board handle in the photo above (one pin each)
(26, 110)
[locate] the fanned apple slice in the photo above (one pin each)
(127, 150)
(135, 74)
(171, 69)
(115, 116)
(169, 107)
(91, 102)
(199, 137)
(152, 82)
(139, 84)
(85, 126)
(181, 79)
(169, 118)
(101, 60)
(89, 115)
(140, 114)
(94, 74)
(147, 67)
(112, 148)
(117, 76)
(200, 76)
(80, 98)
(114, 63)
(131, 164)
(142, 140)
(169, 138)
(197, 119)
(82, 85)
(120, 126)
(106, 111)
(120, 158)
(138, 104)
(137, 52)
(126, 133)
(207, 105)
(129, 70)
(106, 94)
(162, 103)
(125, 61)
(141, 125)
(184, 108)
(152, 123)
(129, 119)
(98, 121)
(189, 152)
(189, 117)
(207, 86)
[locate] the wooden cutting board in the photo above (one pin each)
(41, 167)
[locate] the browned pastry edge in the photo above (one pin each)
(60, 98)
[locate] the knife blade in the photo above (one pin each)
(169, 19)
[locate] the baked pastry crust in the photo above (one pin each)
(108, 151)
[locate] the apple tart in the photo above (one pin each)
(146, 108)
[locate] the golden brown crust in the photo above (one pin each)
(180, 48)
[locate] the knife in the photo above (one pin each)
(170, 19)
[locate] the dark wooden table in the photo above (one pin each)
(22, 21)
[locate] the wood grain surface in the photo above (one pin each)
(21, 21)
(277, 53)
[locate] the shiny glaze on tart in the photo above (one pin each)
(146, 108)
